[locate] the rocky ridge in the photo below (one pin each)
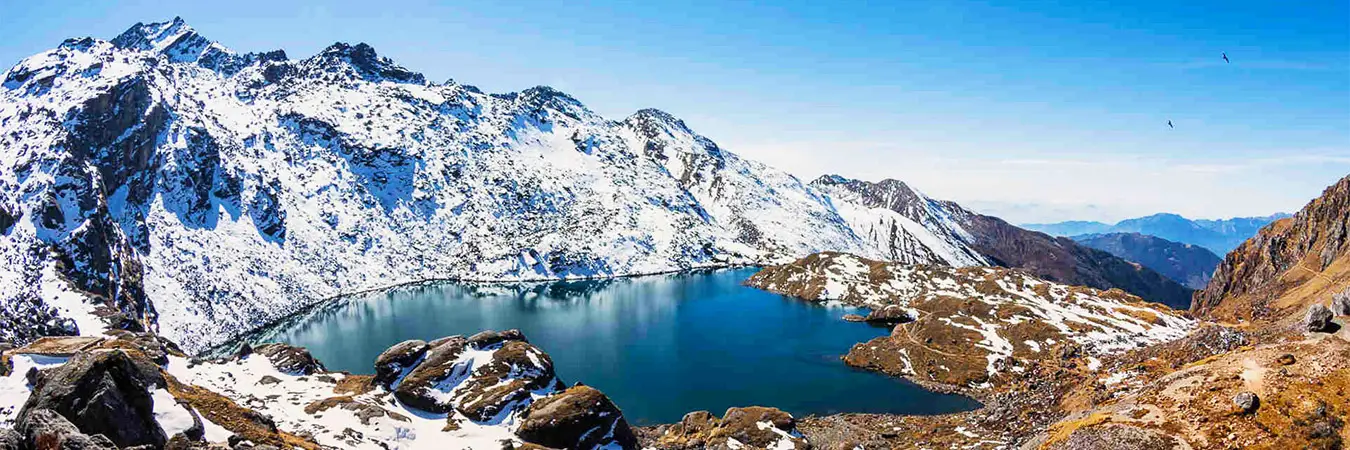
(1288, 266)
(997, 242)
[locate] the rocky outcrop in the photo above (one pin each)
(290, 359)
(392, 362)
(577, 417)
(750, 427)
(1289, 265)
(46, 429)
(1318, 319)
(516, 371)
(480, 377)
(101, 396)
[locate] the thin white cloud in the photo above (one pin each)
(1107, 188)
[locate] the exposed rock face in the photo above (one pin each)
(1190, 265)
(290, 359)
(390, 364)
(46, 429)
(1318, 319)
(100, 393)
(891, 314)
(974, 326)
(1289, 264)
(578, 417)
(450, 378)
(991, 240)
(516, 371)
(440, 364)
(1340, 303)
(750, 427)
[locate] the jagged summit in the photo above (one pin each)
(365, 63)
(156, 36)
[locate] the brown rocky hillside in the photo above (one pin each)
(1290, 264)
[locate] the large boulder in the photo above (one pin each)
(44, 429)
(290, 359)
(105, 392)
(890, 314)
(489, 338)
(517, 370)
(481, 377)
(578, 417)
(420, 387)
(403, 355)
(750, 427)
(1318, 319)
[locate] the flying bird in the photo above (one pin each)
(1225, 57)
(1169, 124)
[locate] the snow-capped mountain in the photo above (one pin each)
(889, 212)
(161, 180)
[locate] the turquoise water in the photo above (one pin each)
(659, 346)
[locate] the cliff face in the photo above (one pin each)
(1288, 265)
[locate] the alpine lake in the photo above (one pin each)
(660, 346)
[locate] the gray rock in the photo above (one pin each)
(403, 355)
(10, 439)
(437, 366)
(517, 370)
(890, 314)
(1318, 319)
(1246, 402)
(854, 318)
(579, 417)
(1340, 303)
(46, 429)
(290, 359)
(98, 393)
(488, 338)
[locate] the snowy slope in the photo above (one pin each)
(177, 184)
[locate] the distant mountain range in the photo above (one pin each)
(1219, 236)
(1188, 264)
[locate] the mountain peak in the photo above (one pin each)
(650, 122)
(158, 36)
(367, 64)
(831, 179)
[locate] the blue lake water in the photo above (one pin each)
(659, 346)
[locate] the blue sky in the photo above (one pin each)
(1035, 111)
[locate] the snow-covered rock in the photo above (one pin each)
(258, 398)
(176, 185)
(973, 326)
